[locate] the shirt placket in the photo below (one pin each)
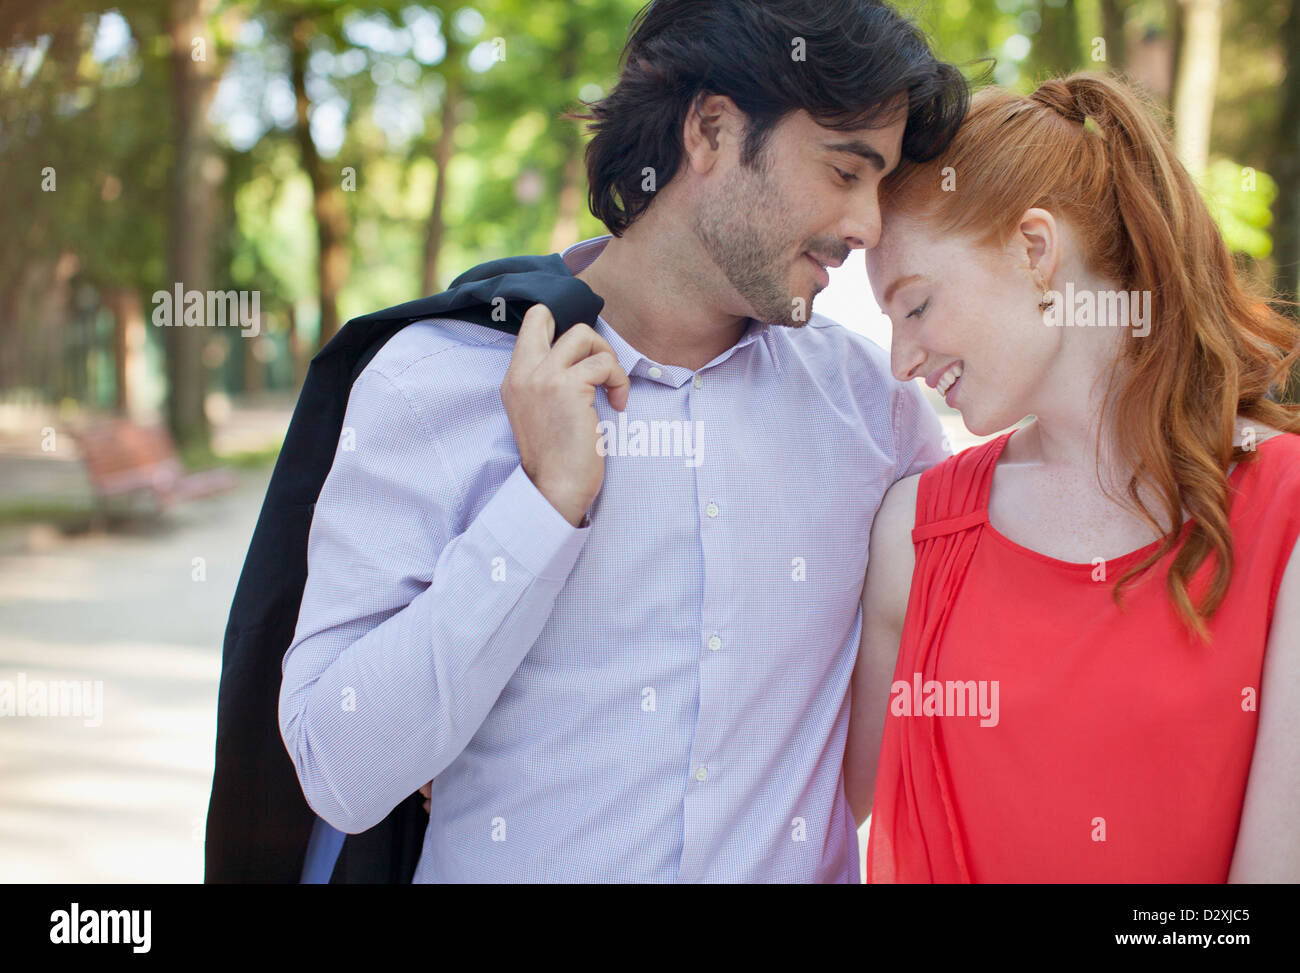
(707, 784)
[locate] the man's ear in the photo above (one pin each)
(1039, 235)
(712, 123)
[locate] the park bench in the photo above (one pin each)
(124, 458)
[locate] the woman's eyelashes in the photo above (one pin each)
(916, 312)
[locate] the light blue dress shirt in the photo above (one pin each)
(661, 696)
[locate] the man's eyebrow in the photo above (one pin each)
(858, 147)
(889, 291)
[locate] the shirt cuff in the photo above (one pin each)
(532, 531)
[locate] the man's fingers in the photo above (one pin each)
(579, 342)
(582, 344)
(617, 387)
(604, 369)
(534, 341)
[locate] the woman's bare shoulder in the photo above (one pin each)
(891, 558)
(898, 508)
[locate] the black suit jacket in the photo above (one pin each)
(258, 820)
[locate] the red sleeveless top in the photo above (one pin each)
(1036, 733)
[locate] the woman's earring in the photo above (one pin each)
(1048, 297)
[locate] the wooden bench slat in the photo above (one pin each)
(122, 457)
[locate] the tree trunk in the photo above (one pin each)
(252, 368)
(128, 346)
(195, 172)
(328, 204)
(443, 151)
(20, 252)
(1198, 73)
(1056, 52)
(1286, 165)
(569, 198)
(570, 201)
(1112, 31)
(1174, 15)
(297, 353)
(13, 332)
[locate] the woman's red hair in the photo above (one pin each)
(1088, 149)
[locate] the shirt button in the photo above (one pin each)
(698, 381)
(711, 509)
(715, 643)
(655, 371)
(701, 775)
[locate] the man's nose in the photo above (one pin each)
(861, 227)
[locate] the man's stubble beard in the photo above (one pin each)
(740, 227)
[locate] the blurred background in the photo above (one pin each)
(309, 162)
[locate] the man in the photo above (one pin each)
(605, 593)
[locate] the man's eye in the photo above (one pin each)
(846, 176)
(916, 312)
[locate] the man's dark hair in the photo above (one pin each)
(842, 61)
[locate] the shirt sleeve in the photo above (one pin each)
(919, 438)
(407, 635)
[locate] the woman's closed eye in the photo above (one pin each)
(916, 312)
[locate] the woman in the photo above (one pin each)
(1078, 691)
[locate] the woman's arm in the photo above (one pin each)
(884, 604)
(1268, 841)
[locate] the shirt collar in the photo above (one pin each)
(580, 255)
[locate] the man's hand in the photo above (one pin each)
(427, 791)
(549, 394)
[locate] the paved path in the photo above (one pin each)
(124, 801)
